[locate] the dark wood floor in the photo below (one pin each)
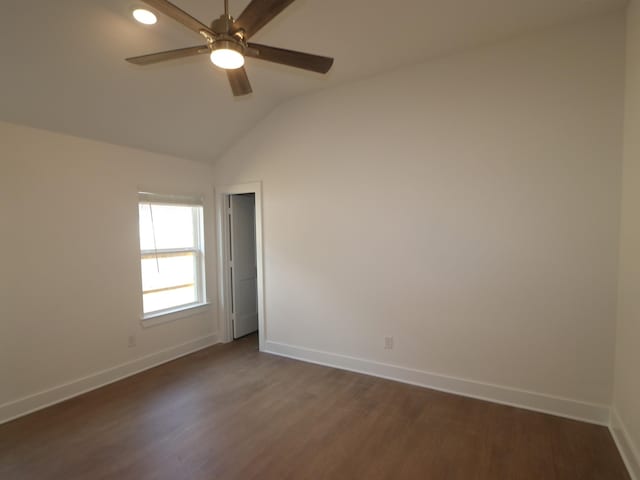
(229, 412)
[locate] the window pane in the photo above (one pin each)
(168, 270)
(170, 278)
(172, 225)
(169, 298)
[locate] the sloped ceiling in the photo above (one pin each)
(63, 65)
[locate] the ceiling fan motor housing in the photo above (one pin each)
(222, 25)
(223, 28)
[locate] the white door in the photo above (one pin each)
(244, 285)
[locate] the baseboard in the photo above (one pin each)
(628, 450)
(29, 404)
(563, 407)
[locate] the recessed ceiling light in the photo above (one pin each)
(145, 16)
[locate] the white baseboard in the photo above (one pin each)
(628, 450)
(563, 407)
(31, 403)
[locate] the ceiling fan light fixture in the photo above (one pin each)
(227, 55)
(145, 16)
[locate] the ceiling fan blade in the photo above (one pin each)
(307, 61)
(179, 15)
(258, 13)
(239, 82)
(168, 55)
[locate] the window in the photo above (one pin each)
(171, 253)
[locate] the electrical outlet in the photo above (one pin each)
(132, 341)
(388, 343)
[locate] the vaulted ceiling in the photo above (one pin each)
(63, 65)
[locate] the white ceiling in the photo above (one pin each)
(63, 65)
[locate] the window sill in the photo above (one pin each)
(167, 316)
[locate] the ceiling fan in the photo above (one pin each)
(227, 42)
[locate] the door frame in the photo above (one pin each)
(223, 236)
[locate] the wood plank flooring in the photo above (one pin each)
(229, 412)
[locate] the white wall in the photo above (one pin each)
(468, 206)
(626, 406)
(70, 281)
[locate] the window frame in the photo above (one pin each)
(198, 251)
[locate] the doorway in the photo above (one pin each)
(242, 265)
(240, 273)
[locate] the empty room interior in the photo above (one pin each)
(314, 239)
